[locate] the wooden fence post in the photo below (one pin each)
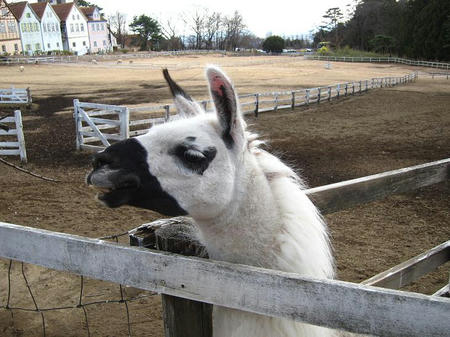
(20, 136)
(182, 317)
(329, 94)
(360, 85)
(293, 100)
(275, 108)
(78, 125)
(124, 116)
(346, 89)
(353, 88)
(338, 90)
(307, 96)
(256, 105)
(318, 95)
(167, 112)
(29, 99)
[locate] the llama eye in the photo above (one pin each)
(193, 156)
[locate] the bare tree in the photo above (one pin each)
(234, 27)
(118, 26)
(212, 26)
(172, 38)
(196, 22)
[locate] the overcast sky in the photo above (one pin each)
(280, 17)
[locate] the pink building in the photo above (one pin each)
(99, 40)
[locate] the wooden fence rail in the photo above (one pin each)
(250, 104)
(15, 147)
(15, 96)
(335, 304)
(439, 65)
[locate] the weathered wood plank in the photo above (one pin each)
(409, 271)
(182, 317)
(9, 144)
(334, 197)
(10, 152)
(334, 304)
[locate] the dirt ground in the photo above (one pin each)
(381, 130)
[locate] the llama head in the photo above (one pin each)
(186, 166)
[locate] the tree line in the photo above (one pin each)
(418, 29)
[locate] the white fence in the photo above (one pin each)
(335, 304)
(86, 58)
(439, 65)
(94, 133)
(15, 146)
(15, 96)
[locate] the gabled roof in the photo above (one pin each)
(17, 9)
(39, 8)
(63, 10)
(88, 11)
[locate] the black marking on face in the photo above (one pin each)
(122, 169)
(225, 106)
(192, 156)
(175, 89)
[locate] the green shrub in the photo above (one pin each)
(273, 44)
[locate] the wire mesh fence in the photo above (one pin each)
(30, 302)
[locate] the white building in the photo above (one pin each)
(50, 26)
(74, 29)
(29, 27)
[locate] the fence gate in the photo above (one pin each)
(98, 124)
(15, 96)
(14, 144)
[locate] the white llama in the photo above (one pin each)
(249, 206)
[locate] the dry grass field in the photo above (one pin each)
(381, 130)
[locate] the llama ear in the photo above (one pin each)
(225, 102)
(184, 103)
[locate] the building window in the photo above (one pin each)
(16, 47)
(93, 27)
(36, 27)
(81, 27)
(24, 27)
(74, 44)
(28, 46)
(2, 27)
(44, 28)
(84, 43)
(77, 27)
(38, 46)
(98, 27)
(28, 15)
(12, 27)
(104, 42)
(57, 44)
(103, 26)
(4, 11)
(48, 45)
(30, 27)
(78, 17)
(71, 27)
(73, 16)
(95, 43)
(3, 48)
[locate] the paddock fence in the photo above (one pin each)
(88, 58)
(15, 96)
(120, 122)
(196, 283)
(439, 65)
(11, 131)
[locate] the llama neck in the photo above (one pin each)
(271, 223)
(244, 232)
